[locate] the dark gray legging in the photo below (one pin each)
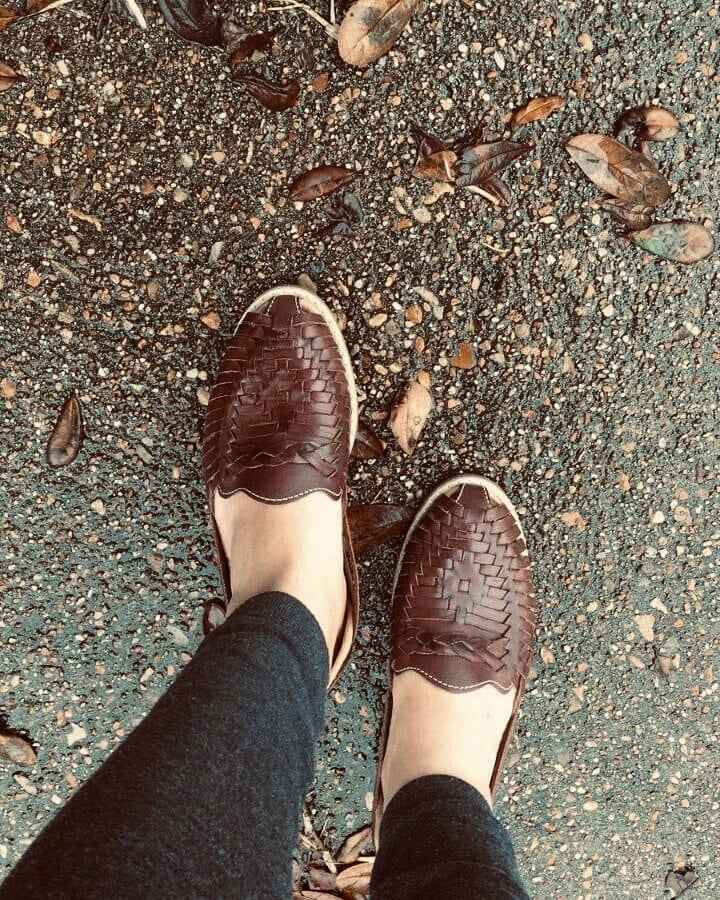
(203, 799)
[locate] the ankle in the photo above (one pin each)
(319, 592)
(291, 547)
(437, 732)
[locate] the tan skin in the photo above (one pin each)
(272, 547)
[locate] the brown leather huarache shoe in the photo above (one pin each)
(464, 609)
(282, 418)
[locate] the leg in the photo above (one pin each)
(457, 847)
(203, 798)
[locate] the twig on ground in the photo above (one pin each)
(330, 27)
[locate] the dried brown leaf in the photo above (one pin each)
(8, 77)
(67, 435)
(17, 749)
(654, 123)
(439, 166)
(646, 150)
(244, 47)
(425, 143)
(296, 874)
(345, 215)
(536, 109)
(410, 409)
(372, 524)
(33, 7)
(482, 161)
(494, 188)
(320, 181)
(353, 846)
(319, 879)
(313, 895)
(631, 215)
(355, 879)
(683, 242)
(618, 170)
(367, 444)
(193, 20)
(477, 135)
(275, 97)
(7, 17)
(371, 27)
(663, 664)
(677, 882)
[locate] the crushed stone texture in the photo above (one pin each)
(145, 204)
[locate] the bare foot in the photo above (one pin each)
(437, 732)
(294, 547)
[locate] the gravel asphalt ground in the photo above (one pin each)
(144, 202)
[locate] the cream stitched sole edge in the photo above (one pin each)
(316, 305)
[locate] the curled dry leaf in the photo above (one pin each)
(495, 189)
(653, 123)
(36, 6)
(275, 97)
(536, 109)
(631, 215)
(320, 181)
(319, 879)
(345, 215)
(618, 170)
(367, 444)
(313, 895)
(17, 749)
(439, 166)
(355, 879)
(372, 524)
(371, 27)
(67, 435)
(244, 47)
(482, 161)
(353, 846)
(136, 12)
(476, 135)
(683, 242)
(8, 77)
(7, 17)
(677, 882)
(646, 150)
(193, 20)
(425, 143)
(407, 417)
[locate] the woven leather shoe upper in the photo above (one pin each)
(278, 419)
(464, 608)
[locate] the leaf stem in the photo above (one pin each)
(331, 28)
